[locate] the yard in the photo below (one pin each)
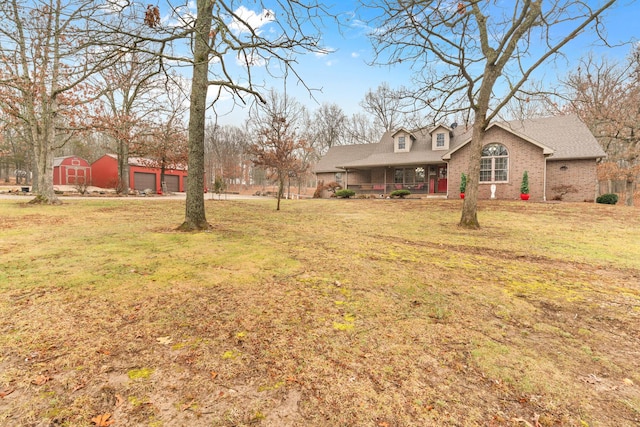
(327, 313)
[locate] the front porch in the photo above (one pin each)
(427, 180)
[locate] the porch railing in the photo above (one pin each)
(373, 188)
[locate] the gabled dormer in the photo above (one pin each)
(440, 137)
(402, 141)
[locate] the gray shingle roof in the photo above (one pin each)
(564, 137)
(569, 137)
(383, 153)
(339, 153)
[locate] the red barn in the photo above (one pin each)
(71, 170)
(141, 175)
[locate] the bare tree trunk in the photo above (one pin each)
(280, 191)
(44, 166)
(195, 218)
(123, 167)
(630, 186)
(469, 218)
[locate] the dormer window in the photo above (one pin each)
(440, 138)
(402, 141)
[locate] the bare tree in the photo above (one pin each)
(49, 50)
(606, 96)
(278, 148)
(128, 98)
(228, 46)
(475, 55)
(385, 106)
(225, 154)
(327, 127)
(15, 155)
(166, 146)
(360, 130)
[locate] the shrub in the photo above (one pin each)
(318, 193)
(608, 199)
(463, 183)
(400, 193)
(345, 194)
(524, 186)
(332, 187)
(563, 189)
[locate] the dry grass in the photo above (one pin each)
(327, 313)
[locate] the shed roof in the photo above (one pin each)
(57, 161)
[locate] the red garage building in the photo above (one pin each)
(71, 170)
(141, 175)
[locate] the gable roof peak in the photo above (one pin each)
(403, 129)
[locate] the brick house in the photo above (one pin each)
(559, 154)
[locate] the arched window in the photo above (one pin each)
(494, 163)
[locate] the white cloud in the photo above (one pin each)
(323, 52)
(355, 54)
(115, 6)
(251, 19)
(251, 60)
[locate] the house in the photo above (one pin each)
(559, 153)
(71, 170)
(143, 174)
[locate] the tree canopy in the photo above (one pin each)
(471, 57)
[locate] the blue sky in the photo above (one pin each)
(344, 76)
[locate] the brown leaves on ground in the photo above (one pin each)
(103, 420)
(534, 314)
(40, 380)
(6, 392)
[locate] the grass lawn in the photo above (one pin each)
(328, 313)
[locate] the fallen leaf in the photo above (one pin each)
(164, 340)
(40, 379)
(119, 400)
(628, 381)
(187, 405)
(6, 392)
(213, 375)
(102, 420)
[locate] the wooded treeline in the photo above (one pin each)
(87, 78)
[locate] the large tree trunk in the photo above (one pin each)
(469, 218)
(195, 218)
(630, 186)
(45, 193)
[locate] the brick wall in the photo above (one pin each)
(580, 174)
(522, 156)
(358, 177)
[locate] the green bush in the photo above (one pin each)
(400, 193)
(608, 199)
(345, 194)
(524, 186)
(463, 183)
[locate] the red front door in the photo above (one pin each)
(442, 179)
